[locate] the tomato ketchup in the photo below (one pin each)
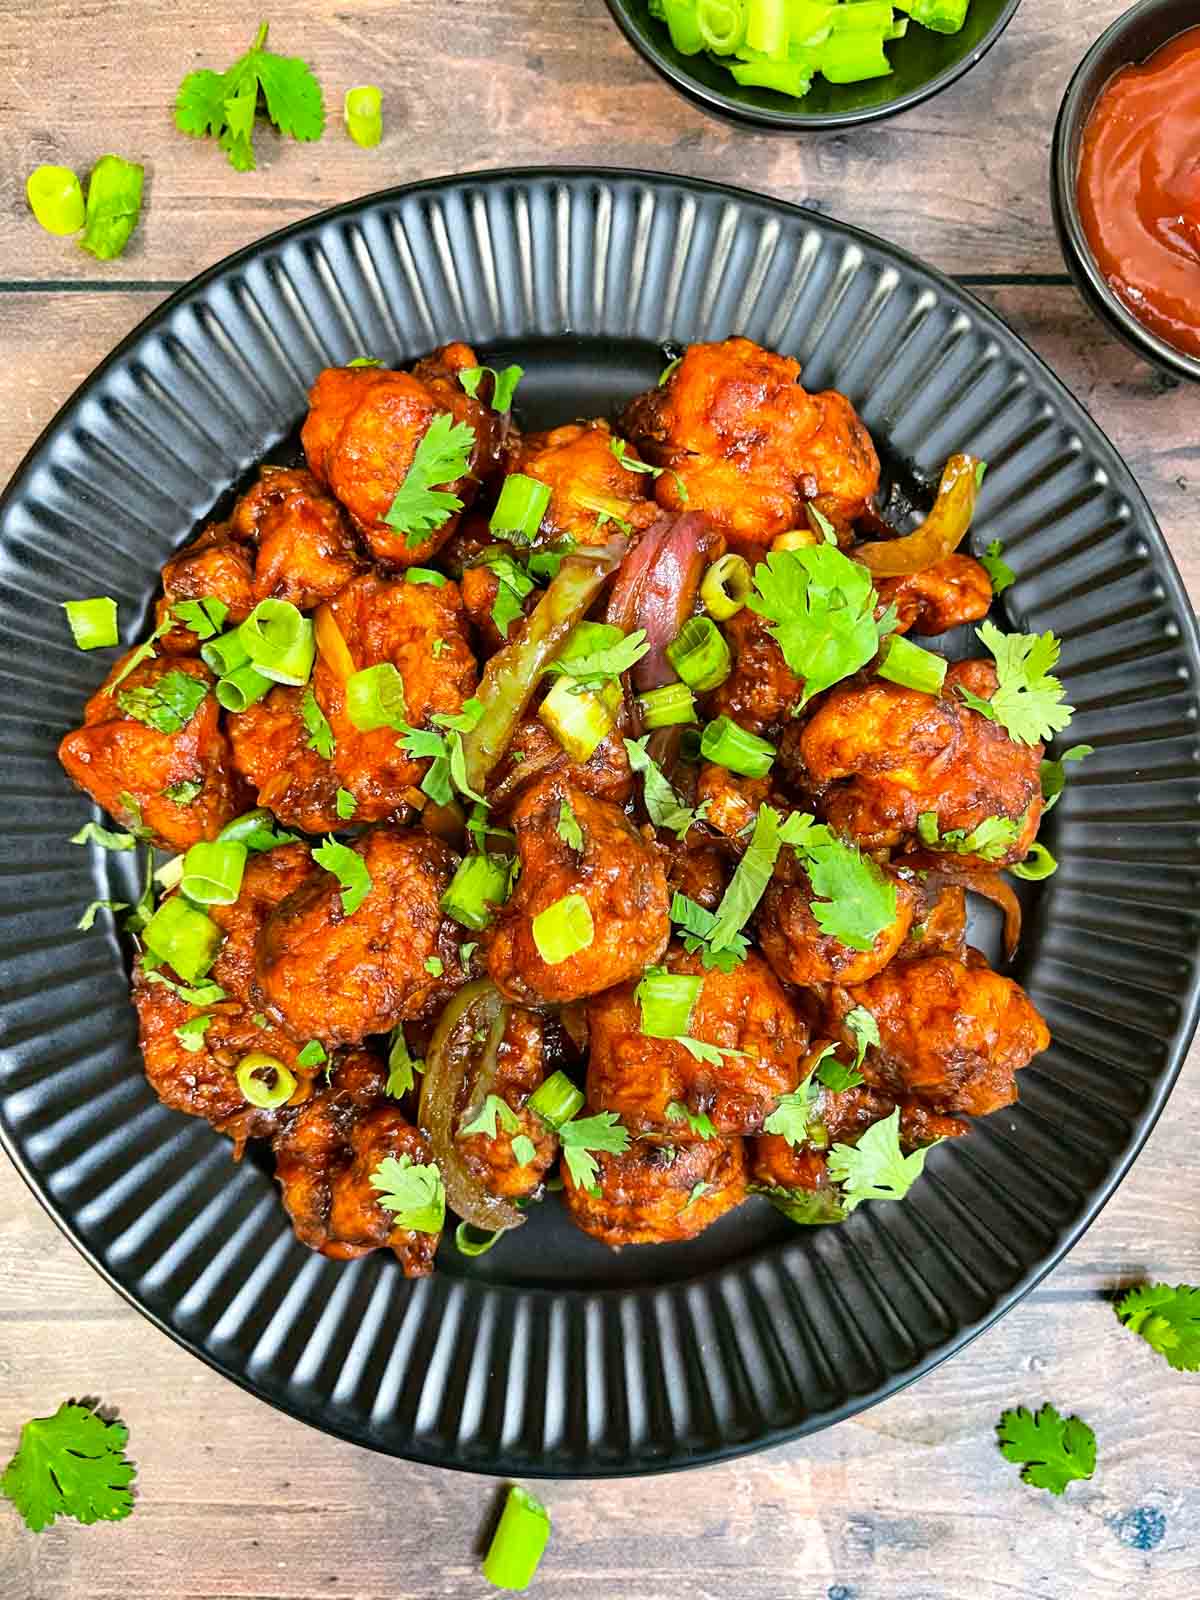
(1139, 190)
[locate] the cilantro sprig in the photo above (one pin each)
(991, 840)
(820, 606)
(1028, 703)
(582, 1137)
(448, 762)
(223, 105)
(598, 667)
(412, 1192)
(1053, 1451)
(442, 456)
(70, 1465)
(875, 1168)
(663, 805)
(568, 828)
(1168, 1320)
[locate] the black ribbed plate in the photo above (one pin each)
(550, 1355)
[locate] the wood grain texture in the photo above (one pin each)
(910, 1501)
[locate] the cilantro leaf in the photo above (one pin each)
(204, 994)
(204, 618)
(1054, 774)
(144, 652)
(320, 734)
(754, 872)
(1053, 1450)
(792, 1115)
(998, 570)
(992, 839)
(714, 1054)
(183, 793)
(191, 1033)
(855, 900)
(492, 1111)
(875, 1168)
(697, 924)
(70, 1465)
(699, 1122)
(598, 667)
(865, 1029)
(88, 920)
(222, 105)
(93, 833)
(1028, 702)
(165, 706)
(512, 587)
(1168, 1319)
(350, 870)
(524, 1150)
(582, 1135)
(821, 607)
(806, 1207)
(504, 384)
(662, 803)
(412, 1192)
(442, 456)
(698, 1189)
(568, 829)
(448, 769)
(312, 1055)
(402, 1066)
(834, 1074)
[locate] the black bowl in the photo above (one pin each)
(1133, 38)
(924, 63)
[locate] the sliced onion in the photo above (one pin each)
(985, 881)
(657, 585)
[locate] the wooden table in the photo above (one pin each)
(910, 1501)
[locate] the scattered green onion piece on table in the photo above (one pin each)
(700, 655)
(563, 929)
(518, 1543)
(726, 587)
(665, 707)
(1037, 866)
(730, 746)
(905, 663)
(556, 1100)
(55, 199)
(114, 202)
(279, 641)
(184, 937)
(471, 1241)
(242, 688)
(264, 1080)
(520, 508)
(224, 655)
(212, 873)
(375, 698)
(667, 1001)
(363, 114)
(480, 884)
(93, 622)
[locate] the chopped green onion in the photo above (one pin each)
(93, 622)
(243, 686)
(663, 708)
(212, 873)
(524, 1150)
(722, 24)
(1037, 866)
(680, 18)
(767, 26)
(667, 1001)
(727, 586)
(56, 200)
(518, 1542)
(481, 883)
(224, 655)
(700, 655)
(472, 1241)
(905, 663)
(264, 1080)
(184, 937)
(730, 746)
(520, 508)
(257, 830)
(363, 114)
(854, 56)
(183, 793)
(279, 641)
(563, 929)
(375, 698)
(556, 1100)
(785, 77)
(504, 384)
(425, 575)
(114, 200)
(580, 719)
(170, 874)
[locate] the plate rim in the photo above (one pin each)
(1076, 417)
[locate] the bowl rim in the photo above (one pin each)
(1073, 114)
(728, 109)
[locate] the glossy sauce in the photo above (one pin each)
(1139, 190)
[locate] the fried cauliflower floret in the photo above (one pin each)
(952, 1034)
(535, 753)
(215, 566)
(730, 802)
(750, 446)
(761, 691)
(881, 756)
(325, 1154)
(364, 427)
(338, 977)
(941, 597)
(587, 483)
(272, 750)
(128, 767)
(421, 630)
(655, 1194)
(797, 947)
(519, 1071)
(744, 1012)
(617, 873)
(305, 549)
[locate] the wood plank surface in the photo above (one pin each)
(910, 1501)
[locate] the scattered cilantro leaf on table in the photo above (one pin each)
(1053, 1450)
(70, 1465)
(1167, 1319)
(222, 105)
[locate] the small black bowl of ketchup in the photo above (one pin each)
(1126, 181)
